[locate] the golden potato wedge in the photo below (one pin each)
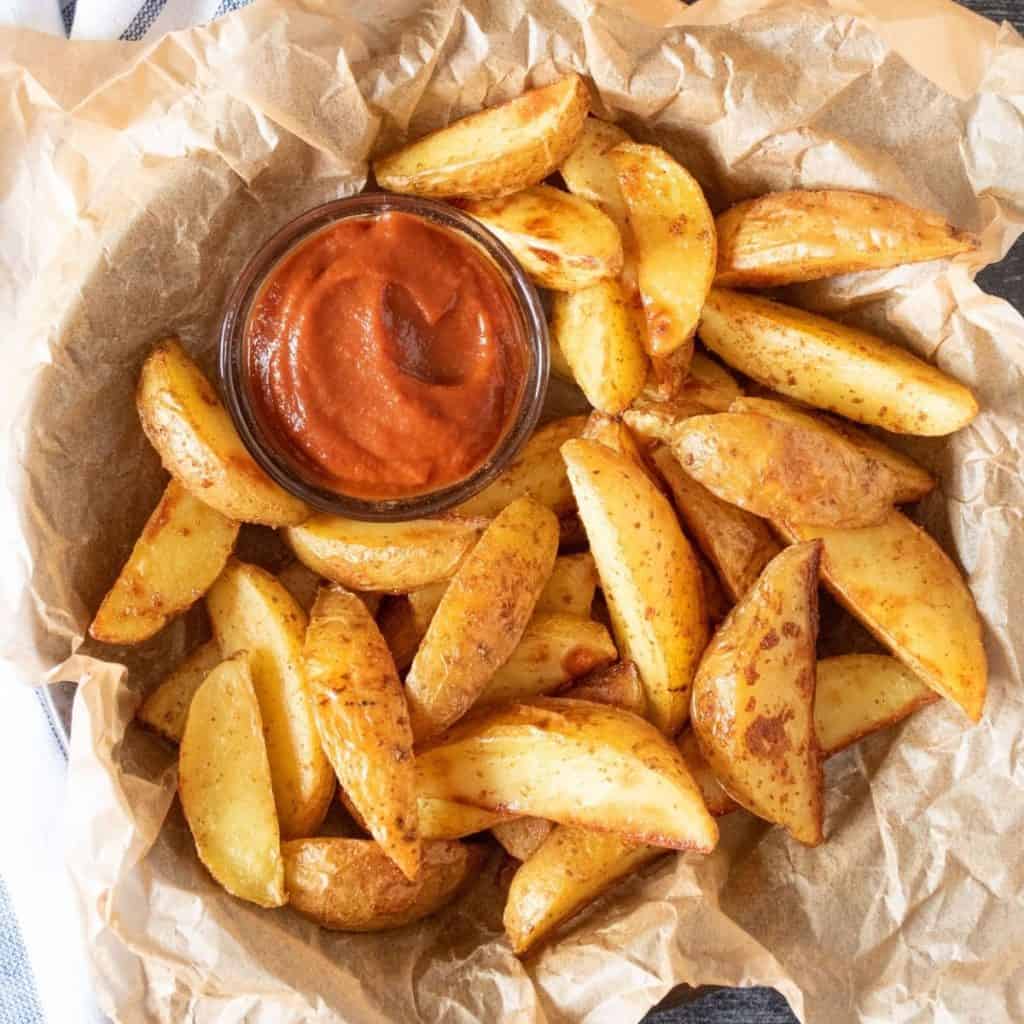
(350, 885)
(521, 837)
(695, 380)
(716, 800)
(574, 762)
(599, 337)
(738, 544)
(571, 868)
(654, 420)
(900, 584)
(570, 587)
(198, 444)
(251, 611)
(180, 552)
(784, 464)
(674, 234)
(446, 819)
(753, 697)
(832, 366)
(554, 650)
(363, 721)
(858, 694)
(482, 616)
(787, 237)
(225, 788)
(165, 710)
(648, 574)
(618, 685)
(537, 472)
(494, 152)
(589, 173)
(302, 583)
(562, 242)
(404, 620)
(389, 557)
(913, 482)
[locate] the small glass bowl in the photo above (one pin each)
(274, 458)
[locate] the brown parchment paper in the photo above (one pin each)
(135, 180)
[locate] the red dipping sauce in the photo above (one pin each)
(386, 355)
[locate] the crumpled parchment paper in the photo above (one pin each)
(135, 180)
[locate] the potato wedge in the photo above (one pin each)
(787, 237)
(858, 694)
(653, 420)
(570, 587)
(753, 697)
(165, 710)
(598, 334)
(571, 868)
(588, 171)
(349, 885)
(554, 650)
(913, 482)
(251, 611)
(716, 799)
(198, 444)
(537, 472)
(675, 243)
(446, 819)
(919, 607)
(494, 152)
(832, 366)
(648, 574)
(618, 685)
(562, 242)
(180, 552)
(363, 721)
(780, 463)
(390, 557)
(696, 380)
(404, 621)
(574, 762)
(302, 583)
(716, 604)
(225, 788)
(522, 837)
(482, 616)
(738, 544)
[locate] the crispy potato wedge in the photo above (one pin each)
(363, 721)
(753, 697)
(598, 334)
(302, 583)
(537, 472)
(832, 366)
(404, 620)
(654, 420)
(919, 606)
(494, 152)
(180, 552)
(521, 837)
(165, 710)
(571, 868)
(618, 685)
(570, 587)
(563, 242)
(913, 482)
(251, 611)
(350, 885)
(482, 616)
(858, 694)
(589, 173)
(675, 243)
(574, 762)
(703, 382)
(648, 574)
(554, 650)
(446, 819)
(787, 237)
(389, 557)
(738, 544)
(198, 444)
(780, 463)
(225, 788)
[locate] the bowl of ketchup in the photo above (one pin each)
(384, 356)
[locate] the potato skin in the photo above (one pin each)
(493, 152)
(197, 442)
(349, 885)
(788, 237)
